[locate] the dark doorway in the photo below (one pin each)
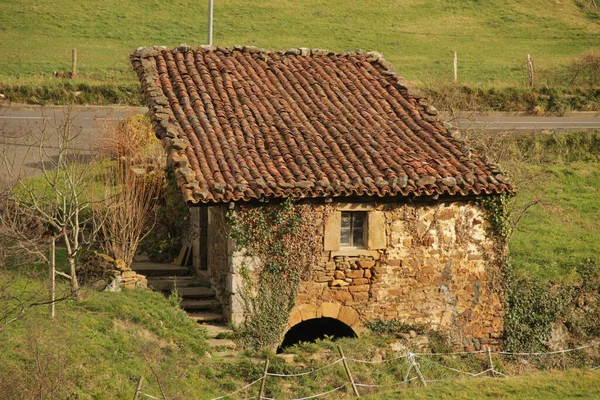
(203, 248)
(313, 329)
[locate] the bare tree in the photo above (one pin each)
(56, 203)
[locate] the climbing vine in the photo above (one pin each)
(286, 238)
(531, 310)
(497, 214)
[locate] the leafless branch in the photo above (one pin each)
(58, 202)
(160, 387)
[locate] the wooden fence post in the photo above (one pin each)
(413, 364)
(74, 64)
(138, 389)
(354, 388)
(264, 381)
(490, 362)
(455, 67)
(52, 276)
(530, 70)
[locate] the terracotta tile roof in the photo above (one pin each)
(244, 123)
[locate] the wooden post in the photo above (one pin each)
(348, 372)
(74, 64)
(530, 70)
(264, 381)
(52, 276)
(490, 362)
(138, 389)
(210, 23)
(411, 359)
(455, 67)
(407, 373)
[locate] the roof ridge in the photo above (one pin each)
(372, 57)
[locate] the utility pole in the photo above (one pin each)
(210, 22)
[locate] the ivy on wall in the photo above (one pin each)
(497, 214)
(287, 239)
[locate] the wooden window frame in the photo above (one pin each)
(352, 229)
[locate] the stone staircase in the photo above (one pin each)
(198, 298)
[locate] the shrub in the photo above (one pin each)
(129, 138)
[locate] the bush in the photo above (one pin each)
(129, 138)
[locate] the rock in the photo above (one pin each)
(99, 285)
(421, 342)
(339, 283)
(449, 181)
(128, 274)
(359, 288)
(403, 335)
(425, 180)
(365, 264)
(114, 285)
(431, 110)
(354, 274)
(559, 336)
(412, 333)
(339, 275)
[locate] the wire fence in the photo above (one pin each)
(413, 373)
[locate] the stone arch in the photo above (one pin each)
(304, 312)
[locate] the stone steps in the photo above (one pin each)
(150, 269)
(198, 298)
(170, 283)
(190, 305)
(196, 292)
(204, 317)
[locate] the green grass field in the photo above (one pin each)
(560, 173)
(553, 385)
(563, 230)
(492, 38)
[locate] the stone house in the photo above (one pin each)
(401, 231)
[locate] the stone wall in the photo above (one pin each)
(436, 268)
(430, 264)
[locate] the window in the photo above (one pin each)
(352, 230)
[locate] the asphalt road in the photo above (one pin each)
(505, 123)
(19, 125)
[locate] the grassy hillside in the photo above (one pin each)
(557, 179)
(492, 37)
(98, 347)
(563, 230)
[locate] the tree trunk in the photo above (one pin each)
(74, 281)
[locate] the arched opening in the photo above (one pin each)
(313, 329)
